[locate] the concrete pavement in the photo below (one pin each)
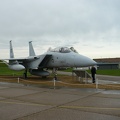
(19, 102)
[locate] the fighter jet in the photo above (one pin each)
(53, 58)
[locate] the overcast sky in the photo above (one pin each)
(92, 27)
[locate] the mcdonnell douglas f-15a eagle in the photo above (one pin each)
(53, 58)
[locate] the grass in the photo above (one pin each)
(111, 72)
(4, 70)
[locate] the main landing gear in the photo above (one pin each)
(54, 71)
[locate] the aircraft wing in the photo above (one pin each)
(32, 61)
(21, 59)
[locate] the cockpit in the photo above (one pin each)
(60, 49)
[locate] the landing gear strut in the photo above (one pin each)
(55, 73)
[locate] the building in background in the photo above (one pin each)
(108, 63)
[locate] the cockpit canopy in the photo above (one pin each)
(60, 49)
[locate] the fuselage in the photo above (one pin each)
(69, 59)
(58, 58)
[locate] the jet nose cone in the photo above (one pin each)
(84, 61)
(93, 62)
(89, 62)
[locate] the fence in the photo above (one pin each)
(54, 84)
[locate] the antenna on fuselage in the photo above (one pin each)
(31, 50)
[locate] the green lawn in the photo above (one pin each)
(4, 70)
(112, 72)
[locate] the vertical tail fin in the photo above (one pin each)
(11, 50)
(31, 50)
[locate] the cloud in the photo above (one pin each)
(94, 23)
